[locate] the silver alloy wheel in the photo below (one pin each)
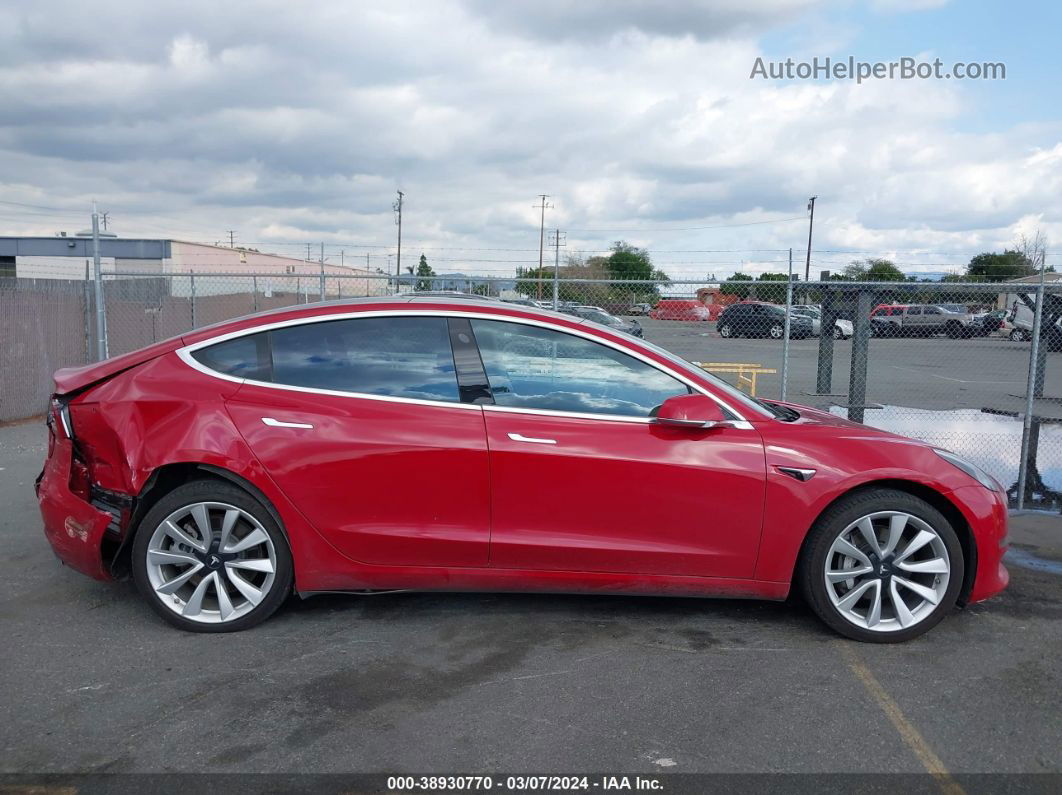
(724, 330)
(777, 332)
(211, 562)
(887, 571)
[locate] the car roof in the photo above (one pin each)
(372, 303)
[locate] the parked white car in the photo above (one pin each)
(842, 329)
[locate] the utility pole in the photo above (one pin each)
(542, 236)
(557, 240)
(398, 220)
(308, 252)
(101, 310)
(232, 237)
(104, 217)
(811, 224)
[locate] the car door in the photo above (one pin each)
(583, 480)
(745, 318)
(360, 423)
(913, 322)
(932, 320)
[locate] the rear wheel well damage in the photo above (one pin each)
(934, 498)
(163, 481)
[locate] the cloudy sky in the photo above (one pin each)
(297, 122)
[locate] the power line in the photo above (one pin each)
(690, 228)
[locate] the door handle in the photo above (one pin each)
(516, 437)
(272, 423)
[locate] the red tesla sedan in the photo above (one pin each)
(434, 444)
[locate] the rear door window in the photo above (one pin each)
(408, 357)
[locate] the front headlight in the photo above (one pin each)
(972, 470)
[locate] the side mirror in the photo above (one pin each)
(690, 411)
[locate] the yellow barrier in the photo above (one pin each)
(746, 372)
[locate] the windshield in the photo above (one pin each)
(739, 398)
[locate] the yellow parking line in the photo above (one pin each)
(908, 733)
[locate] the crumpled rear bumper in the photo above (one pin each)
(72, 526)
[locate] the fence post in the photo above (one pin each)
(254, 286)
(828, 317)
(857, 376)
(1035, 380)
(191, 281)
(785, 331)
(101, 309)
(86, 313)
(322, 278)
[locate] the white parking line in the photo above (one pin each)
(949, 378)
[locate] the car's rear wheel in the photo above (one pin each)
(1017, 335)
(776, 331)
(726, 330)
(882, 566)
(208, 557)
(837, 333)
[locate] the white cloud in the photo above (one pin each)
(299, 122)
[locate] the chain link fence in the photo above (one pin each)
(957, 365)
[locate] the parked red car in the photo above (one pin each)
(433, 444)
(676, 309)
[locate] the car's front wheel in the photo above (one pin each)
(209, 557)
(882, 566)
(726, 331)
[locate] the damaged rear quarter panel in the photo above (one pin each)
(165, 412)
(160, 413)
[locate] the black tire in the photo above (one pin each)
(212, 490)
(833, 522)
(954, 331)
(726, 331)
(776, 332)
(837, 333)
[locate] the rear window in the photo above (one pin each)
(397, 356)
(243, 357)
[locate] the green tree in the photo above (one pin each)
(627, 262)
(740, 290)
(775, 293)
(424, 271)
(992, 267)
(874, 270)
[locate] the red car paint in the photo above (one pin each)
(391, 495)
(677, 309)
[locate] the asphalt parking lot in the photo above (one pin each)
(94, 682)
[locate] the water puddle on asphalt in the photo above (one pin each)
(992, 441)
